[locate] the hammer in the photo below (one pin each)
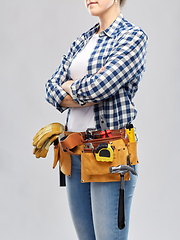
(122, 170)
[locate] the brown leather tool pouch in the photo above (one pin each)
(97, 171)
(71, 144)
(91, 169)
(132, 150)
(65, 162)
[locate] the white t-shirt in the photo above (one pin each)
(82, 118)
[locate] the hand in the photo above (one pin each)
(66, 86)
(68, 102)
(101, 70)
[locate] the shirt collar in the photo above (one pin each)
(91, 32)
(110, 31)
(114, 27)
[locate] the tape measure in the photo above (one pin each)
(104, 152)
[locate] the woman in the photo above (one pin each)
(99, 76)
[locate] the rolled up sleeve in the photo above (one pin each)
(54, 92)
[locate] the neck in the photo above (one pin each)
(108, 18)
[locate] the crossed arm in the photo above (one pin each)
(67, 101)
(125, 63)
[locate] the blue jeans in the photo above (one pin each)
(94, 206)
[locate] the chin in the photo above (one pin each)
(94, 13)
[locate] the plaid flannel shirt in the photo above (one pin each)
(114, 71)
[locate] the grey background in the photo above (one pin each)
(34, 35)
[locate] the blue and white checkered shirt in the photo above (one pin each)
(120, 52)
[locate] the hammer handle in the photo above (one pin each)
(121, 210)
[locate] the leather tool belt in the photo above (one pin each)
(98, 154)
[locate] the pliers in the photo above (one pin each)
(105, 131)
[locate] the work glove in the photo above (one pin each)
(45, 137)
(42, 152)
(46, 132)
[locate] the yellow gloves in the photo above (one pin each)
(45, 137)
(47, 132)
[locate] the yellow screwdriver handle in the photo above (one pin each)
(131, 135)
